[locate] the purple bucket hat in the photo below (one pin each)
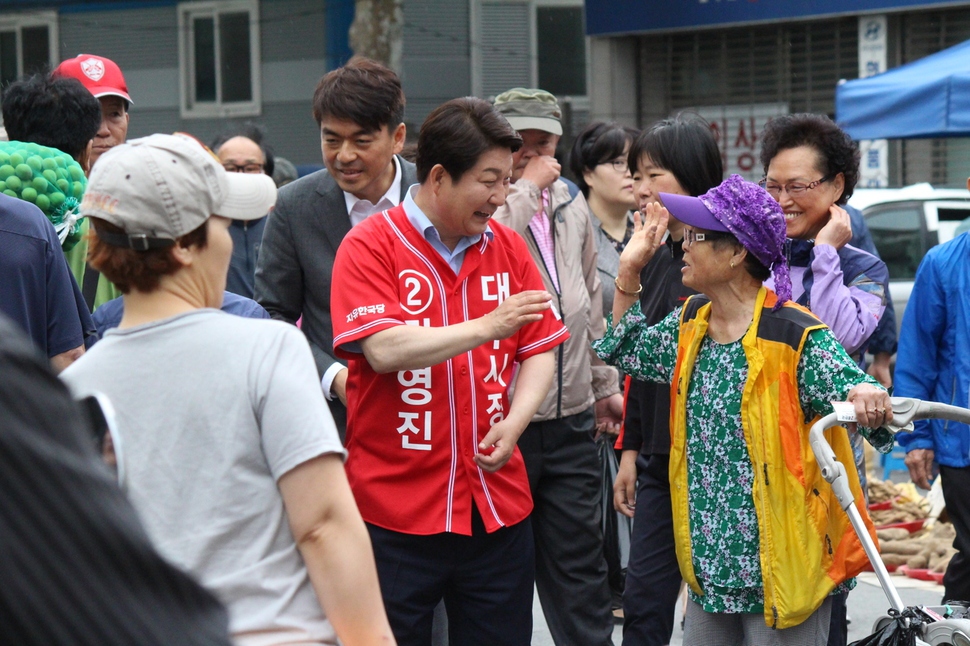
(746, 211)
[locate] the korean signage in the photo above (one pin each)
(640, 16)
(738, 130)
(874, 165)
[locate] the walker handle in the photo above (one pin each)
(905, 412)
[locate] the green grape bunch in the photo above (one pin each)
(48, 178)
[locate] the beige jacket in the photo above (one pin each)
(581, 377)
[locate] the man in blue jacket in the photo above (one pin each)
(934, 363)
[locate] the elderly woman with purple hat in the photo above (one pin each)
(760, 538)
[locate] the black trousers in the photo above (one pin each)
(571, 576)
(838, 626)
(653, 576)
(486, 581)
(956, 486)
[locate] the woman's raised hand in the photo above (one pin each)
(838, 230)
(648, 234)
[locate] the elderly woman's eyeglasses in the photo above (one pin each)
(619, 165)
(691, 236)
(794, 189)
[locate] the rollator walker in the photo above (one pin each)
(947, 625)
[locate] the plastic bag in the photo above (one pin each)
(617, 528)
(902, 630)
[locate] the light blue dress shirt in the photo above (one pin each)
(421, 222)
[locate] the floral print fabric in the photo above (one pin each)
(620, 245)
(723, 522)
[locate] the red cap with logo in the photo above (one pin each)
(100, 75)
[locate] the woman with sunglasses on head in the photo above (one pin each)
(757, 535)
(599, 162)
(676, 155)
(811, 169)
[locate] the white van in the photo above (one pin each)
(905, 223)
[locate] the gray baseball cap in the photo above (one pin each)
(530, 109)
(161, 187)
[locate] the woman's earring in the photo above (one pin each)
(732, 264)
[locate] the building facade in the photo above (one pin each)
(739, 63)
(483, 47)
(194, 66)
(200, 65)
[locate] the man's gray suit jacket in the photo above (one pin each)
(295, 266)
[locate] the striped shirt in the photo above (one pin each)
(542, 231)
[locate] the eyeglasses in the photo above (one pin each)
(794, 189)
(691, 236)
(619, 165)
(245, 168)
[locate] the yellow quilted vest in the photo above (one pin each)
(807, 544)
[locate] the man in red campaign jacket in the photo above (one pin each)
(437, 310)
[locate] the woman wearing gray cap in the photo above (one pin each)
(227, 448)
(757, 541)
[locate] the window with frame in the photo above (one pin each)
(219, 58)
(561, 49)
(898, 233)
(529, 43)
(28, 44)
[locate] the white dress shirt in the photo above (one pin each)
(359, 210)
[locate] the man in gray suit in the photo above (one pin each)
(360, 111)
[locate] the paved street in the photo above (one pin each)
(866, 603)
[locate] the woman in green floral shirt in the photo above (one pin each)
(738, 537)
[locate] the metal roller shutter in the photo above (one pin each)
(942, 162)
(505, 37)
(798, 64)
(739, 78)
(821, 55)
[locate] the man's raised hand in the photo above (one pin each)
(542, 171)
(515, 311)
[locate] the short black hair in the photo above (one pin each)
(599, 142)
(56, 112)
(837, 153)
(458, 132)
(684, 145)
(362, 91)
(255, 133)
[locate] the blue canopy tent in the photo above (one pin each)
(926, 98)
